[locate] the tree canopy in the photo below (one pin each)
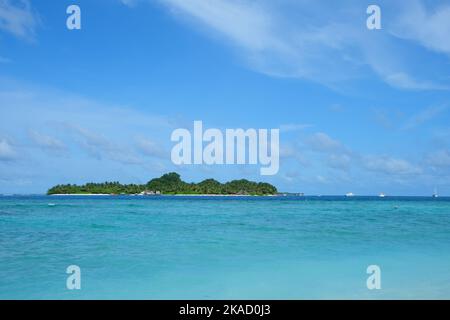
(170, 183)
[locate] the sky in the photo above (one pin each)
(359, 110)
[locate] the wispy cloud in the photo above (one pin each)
(270, 41)
(321, 142)
(151, 148)
(424, 116)
(439, 159)
(429, 27)
(130, 3)
(7, 152)
(402, 80)
(341, 161)
(46, 142)
(333, 154)
(389, 165)
(246, 23)
(18, 18)
(291, 127)
(326, 43)
(95, 138)
(99, 147)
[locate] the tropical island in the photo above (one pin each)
(168, 184)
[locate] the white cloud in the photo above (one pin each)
(393, 118)
(151, 148)
(424, 116)
(291, 151)
(323, 42)
(389, 165)
(99, 138)
(99, 147)
(246, 23)
(7, 152)
(339, 161)
(440, 159)
(429, 27)
(18, 18)
(294, 127)
(402, 80)
(130, 3)
(46, 141)
(321, 142)
(287, 151)
(79, 126)
(339, 156)
(273, 43)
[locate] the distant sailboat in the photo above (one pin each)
(435, 194)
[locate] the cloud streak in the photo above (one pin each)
(390, 166)
(424, 116)
(429, 27)
(325, 43)
(18, 18)
(7, 152)
(46, 142)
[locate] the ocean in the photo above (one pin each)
(173, 247)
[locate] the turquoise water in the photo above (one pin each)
(224, 248)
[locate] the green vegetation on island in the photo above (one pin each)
(170, 184)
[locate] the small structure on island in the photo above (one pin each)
(150, 193)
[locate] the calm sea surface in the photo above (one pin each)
(224, 248)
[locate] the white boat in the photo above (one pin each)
(350, 194)
(435, 194)
(382, 195)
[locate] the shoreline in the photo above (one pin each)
(80, 194)
(161, 195)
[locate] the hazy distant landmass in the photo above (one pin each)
(170, 184)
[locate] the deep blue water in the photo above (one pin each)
(224, 248)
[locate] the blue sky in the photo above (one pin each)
(363, 111)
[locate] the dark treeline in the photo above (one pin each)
(170, 183)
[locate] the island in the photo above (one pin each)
(168, 184)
